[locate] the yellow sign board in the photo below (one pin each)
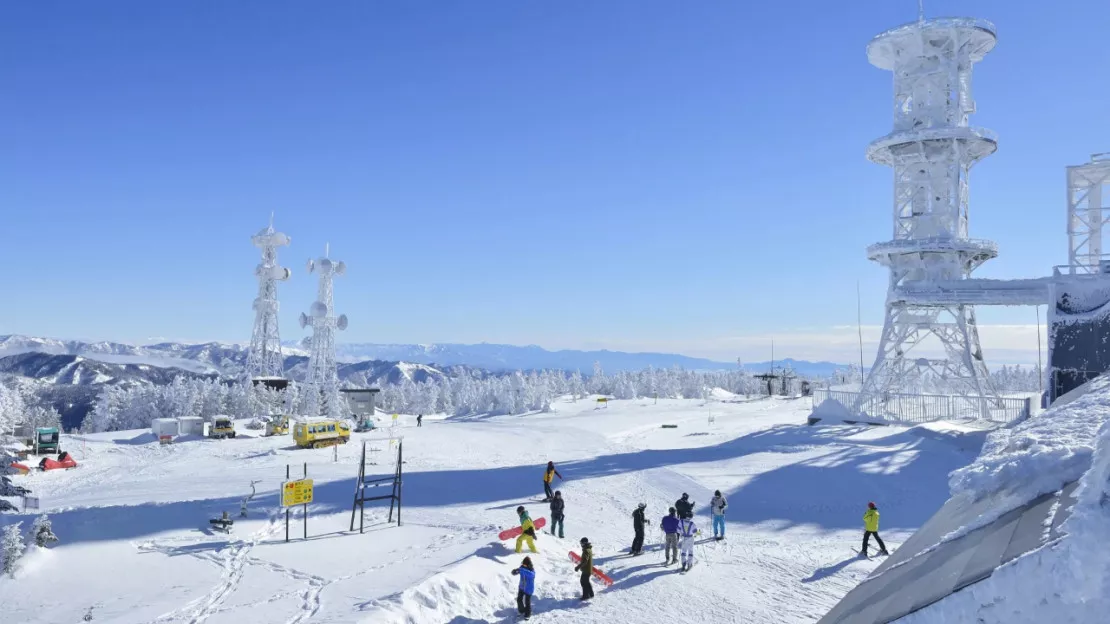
(603, 400)
(297, 492)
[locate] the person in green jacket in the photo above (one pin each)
(871, 527)
(586, 567)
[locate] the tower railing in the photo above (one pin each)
(905, 408)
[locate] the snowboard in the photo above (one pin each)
(515, 531)
(601, 576)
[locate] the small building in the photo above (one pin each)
(190, 425)
(361, 401)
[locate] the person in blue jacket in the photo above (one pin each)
(527, 587)
(670, 529)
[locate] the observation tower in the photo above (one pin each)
(931, 149)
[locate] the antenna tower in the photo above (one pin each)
(264, 358)
(931, 150)
(1088, 214)
(323, 398)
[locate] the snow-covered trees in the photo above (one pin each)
(11, 547)
(12, 406)
(42, 531)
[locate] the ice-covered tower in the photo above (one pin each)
(931, 150)
(1088, 212)
(323, 397)
(264, 359)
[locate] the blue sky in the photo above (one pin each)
(637, 174)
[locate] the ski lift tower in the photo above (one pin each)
(323, 398)
(264, 358)
(1088, 213)
(931, 150)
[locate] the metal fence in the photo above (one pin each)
(923, 408)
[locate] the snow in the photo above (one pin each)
(796, 496)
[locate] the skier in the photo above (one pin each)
(638, 522)
(685, 506)
(687, 529)
(586, 566)
(871, 527)
(549, 476)
(526, 588)
(419, 420)
(527, 530)
(717, 505)
(670, 529)
(557, 513)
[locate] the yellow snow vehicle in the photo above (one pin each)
(318, 432)
(277, 425)
(221, 427)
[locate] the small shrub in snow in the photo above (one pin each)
(42, 531)
(11, 547)
(256, 423)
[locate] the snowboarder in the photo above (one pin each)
(871, 527)
(718, 505)
(638, 522)
(557, 513)
(586, 567)
(419, 420)
(526, 588)
(527, 530)
(687, 529)
(549, 476)
(685, 506)
(670, 529)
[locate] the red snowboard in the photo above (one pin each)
(515, 531)
(601, 576)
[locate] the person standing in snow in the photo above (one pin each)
(687, 529)
(638, 522)
(527, 530)
(419, 420)
(871, 527)
(670, 531)
(685, 506)
(526, 588)
(718, 505)
(586, 567)
(557, 513)
(549, 476)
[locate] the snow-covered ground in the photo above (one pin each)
(135, 545)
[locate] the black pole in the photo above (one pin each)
(306, 505)
(286, 509)
(400, 446)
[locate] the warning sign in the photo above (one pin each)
(296, 492)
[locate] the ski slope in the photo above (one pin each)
(136, 548)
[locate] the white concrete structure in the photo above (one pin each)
(190, 425)
(931, 150)
(264, 359)
(323, 398)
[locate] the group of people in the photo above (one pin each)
(679, 531)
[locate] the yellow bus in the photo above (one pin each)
(318, 432)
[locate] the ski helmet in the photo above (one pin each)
(642, 506)
(520, 509)
(717, 493)
(871, 505)
(584, 541)
(685, 496)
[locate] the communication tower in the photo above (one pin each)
(931, 150)
(323, 397)
(264, 358)
(1088, 213)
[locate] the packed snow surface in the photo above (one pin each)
(135, 544)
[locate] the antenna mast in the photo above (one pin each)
(264, 358)
(323, 397)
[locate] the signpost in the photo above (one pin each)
(295, 493)
(30, 502)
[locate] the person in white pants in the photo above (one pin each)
(686, 531)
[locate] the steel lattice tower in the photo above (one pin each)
(264, 359)
(931, 149)
(1088, 214)
(323, 397)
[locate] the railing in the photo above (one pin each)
(923, 408)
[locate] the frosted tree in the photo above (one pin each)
(11, 547)
(42, 531)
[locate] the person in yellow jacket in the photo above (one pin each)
(527, 530)
(549, 476)
(871, 527)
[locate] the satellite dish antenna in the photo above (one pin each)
(281, 239)
(325, 265)
(340, 267)
(319, 309)
(311, 265)
(341, 322)
(280, 273)
(304, 320)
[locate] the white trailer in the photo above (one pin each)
(191, 425)
(165, 429)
